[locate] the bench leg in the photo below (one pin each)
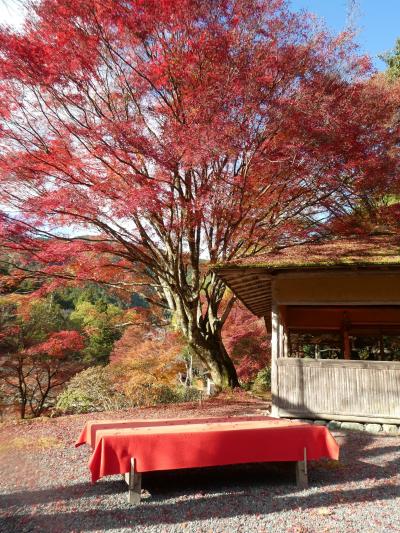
(301, 472)
(134, 480)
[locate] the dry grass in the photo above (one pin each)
(29, 443)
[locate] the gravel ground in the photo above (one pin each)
(45, 487)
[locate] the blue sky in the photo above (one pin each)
(377, 22)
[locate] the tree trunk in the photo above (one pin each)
(22, 409)
(204, 340)
(213, 354)
(23, 400)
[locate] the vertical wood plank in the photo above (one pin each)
(367, 389)
(275, 346)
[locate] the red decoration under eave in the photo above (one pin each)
(175, 444)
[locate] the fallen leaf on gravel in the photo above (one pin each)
(329, 464)
(50, 491)
(324, 511)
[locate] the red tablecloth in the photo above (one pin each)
(88, 434)
(209, 443)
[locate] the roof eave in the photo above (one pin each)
(273, 270)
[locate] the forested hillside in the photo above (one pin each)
(80, 347)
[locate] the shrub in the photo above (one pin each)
(91, 390)
(98, 389)
(148, 394)
(262, 383)
(189, 394)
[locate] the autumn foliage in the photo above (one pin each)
(142, 140)
(247, 342)
(147, 361)
(35, 359)
(58, 344)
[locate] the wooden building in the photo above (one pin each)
(333, 311)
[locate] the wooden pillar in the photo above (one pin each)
(134, 480)
(317, 352)
(275, 348)
(301, 472)
(346, 338)
(286, 347)
(382, 356)
(346, 343)
(282, 331)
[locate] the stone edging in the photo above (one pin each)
(384, 429)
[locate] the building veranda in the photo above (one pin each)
(333, 310)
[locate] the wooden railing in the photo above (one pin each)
(338, 389)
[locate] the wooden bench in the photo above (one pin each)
(134, 479)
(134, 447)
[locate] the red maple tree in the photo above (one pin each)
(160, 136)
(247, 342)
(31, 372)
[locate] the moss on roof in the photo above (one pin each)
(383, 250)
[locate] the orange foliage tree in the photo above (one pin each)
(147, 360)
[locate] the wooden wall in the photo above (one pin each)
(337, 288)
(338, 390)
(326, 318)
(334, 389)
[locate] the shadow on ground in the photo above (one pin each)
(188, 495)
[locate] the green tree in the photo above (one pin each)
(392, 60)
(103, 324)
(45, 317)
(68, 297)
